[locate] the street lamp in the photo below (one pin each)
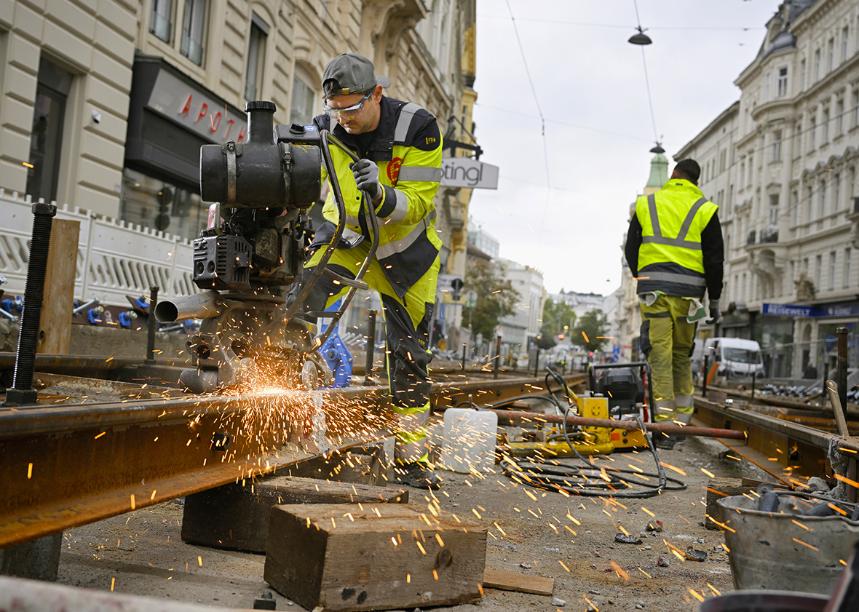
(640, 38)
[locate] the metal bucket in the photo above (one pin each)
(765, 601)
(768, 550)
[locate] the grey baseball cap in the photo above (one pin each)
(348, 73)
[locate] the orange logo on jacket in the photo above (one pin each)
(394, 169)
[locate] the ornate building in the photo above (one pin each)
(782, 165)
(104, 103)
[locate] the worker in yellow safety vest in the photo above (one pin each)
(674, 249)
(400, 151)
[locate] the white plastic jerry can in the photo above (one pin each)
(469, 440)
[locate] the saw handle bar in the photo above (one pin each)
(322, 267)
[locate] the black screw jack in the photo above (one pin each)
(22, 392)
(151, 326)
(371, 349)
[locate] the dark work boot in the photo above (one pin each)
(664, 441)
(418, 475)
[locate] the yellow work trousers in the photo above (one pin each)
(407, 323)
(667, 339)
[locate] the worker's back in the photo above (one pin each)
(672, 221)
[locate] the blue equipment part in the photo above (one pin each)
(191, 325)
(336, 354)
(126, 319)
(141, 303)
(93, 315)
(13, 305)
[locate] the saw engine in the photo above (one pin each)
(249, 260)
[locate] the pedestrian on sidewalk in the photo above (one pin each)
(674, 248)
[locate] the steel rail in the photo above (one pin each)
(784, 449)
(66, 465)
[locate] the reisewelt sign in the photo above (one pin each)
(842, 309)
(468, 173)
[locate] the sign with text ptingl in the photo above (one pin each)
(468, 173)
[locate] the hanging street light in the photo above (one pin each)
(640, 38)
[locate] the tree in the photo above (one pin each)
(558, 318)
(495, 298)
(590, 330)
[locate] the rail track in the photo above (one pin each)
(77, 458)
(73, 459)
(778, 441)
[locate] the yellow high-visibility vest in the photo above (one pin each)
(409, 155)
(670, 257)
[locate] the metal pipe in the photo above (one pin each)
(22, 392)
(705, 375)
(151, 326)
(464, 345)
(754, 380)
(663, 427)
(205, 305)
(841, 373)
(84, 306)
(537, 362)
(371, 348)
(497, 362)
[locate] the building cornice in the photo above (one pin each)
(785, 104)
(813, 15)
(830, 77)
(759, 63)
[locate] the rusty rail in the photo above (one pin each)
(67, 465)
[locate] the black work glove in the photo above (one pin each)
(715, 312)
(367, 177)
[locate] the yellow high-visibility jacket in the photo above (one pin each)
(670, 257)
(407, 146)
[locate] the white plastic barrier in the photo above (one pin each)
(114, 258)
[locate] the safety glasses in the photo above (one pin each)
(333, 112)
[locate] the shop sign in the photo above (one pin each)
(468, 173)
(195, 110)
(788, 310)
(842, 309)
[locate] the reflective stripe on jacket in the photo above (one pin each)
(672, 220)
(407, 146)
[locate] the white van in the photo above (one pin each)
(736, 356)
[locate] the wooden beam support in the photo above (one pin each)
(55, 325)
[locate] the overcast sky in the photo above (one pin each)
(590, 84)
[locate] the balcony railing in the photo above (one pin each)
(769, 235)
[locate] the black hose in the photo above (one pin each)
(580, 476)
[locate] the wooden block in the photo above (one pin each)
(237, 518)
(505, 580)
(367, 465)
(55, 322)
(375, 557)
(717, 488)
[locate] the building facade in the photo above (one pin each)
(518, 329)
(783, 165)
(104, 103)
